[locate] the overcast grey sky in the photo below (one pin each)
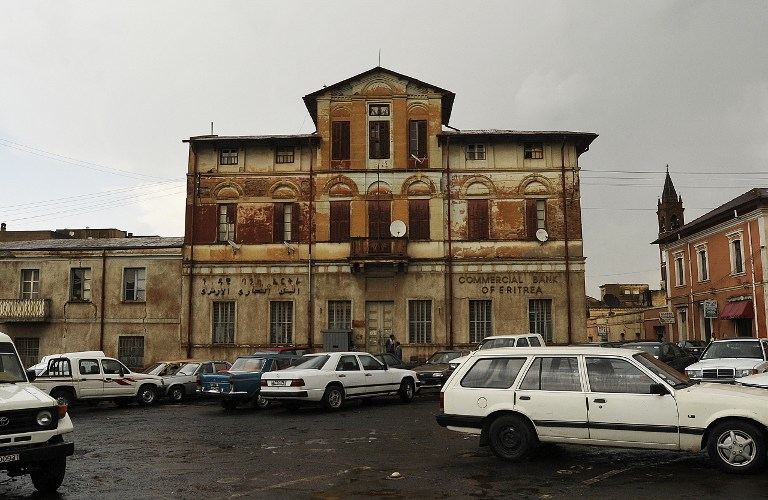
(95, 97)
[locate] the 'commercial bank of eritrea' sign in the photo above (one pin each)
(526, 284)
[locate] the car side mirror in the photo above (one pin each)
(31, 375)
(658, 389)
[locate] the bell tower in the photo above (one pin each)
(670, 207)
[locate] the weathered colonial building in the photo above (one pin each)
(715, 268)
(626, 312)
(120, 295)
(383, 222)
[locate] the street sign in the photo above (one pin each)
(667, 318)
(710, 308)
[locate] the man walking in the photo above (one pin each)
(390, 345)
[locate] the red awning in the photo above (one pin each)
(737, 310)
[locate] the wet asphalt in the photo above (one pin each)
(196, 450)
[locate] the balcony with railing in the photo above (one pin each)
(24, 310)
(377, 252)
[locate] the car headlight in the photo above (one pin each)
(694, 373)
(746, 372)
(44, 418)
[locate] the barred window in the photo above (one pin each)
(533, 151)
(228, 157)
(80, 284)
(475, 151)
(134, 284)
(479, 320)
(420, 321)
(29, 350)
(339, 314)
(284, 155)
(281, 322)
(540, 318)
(224, 322)
(130, 351)
(30, 283)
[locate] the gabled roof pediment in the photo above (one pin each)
(380, 81)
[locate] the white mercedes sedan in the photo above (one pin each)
(330, 378)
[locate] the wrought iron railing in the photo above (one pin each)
(378, 248)
(21, 310)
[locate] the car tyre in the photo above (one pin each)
(737, 447)
(49, 476)
(333, 399)
(63, 396)
(229, 404)
(147, 395)
(176, 394)
(407, 391)
(511, 438)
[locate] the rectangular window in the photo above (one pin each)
(540, 318)
(378, 139)
(339, 314)
(613, 375)
(420, 321)
(80, 284)
(339, 221)
(682, 329)
(130, 351)
(134, 284)
(679, 270)
(418, 219)
(737, 258)
(30, 284)
(29, 350)
(281, 322)
(417, 141)
(340, 140)
(475, 152)
(480, 325)
(496, 373)
(227, 222)
(533, 151)
(703, 265)
(541, 214)
(285, 222)
(378, 110)
(284, 155)
(477, 220)
(228, 157)
(223, 322)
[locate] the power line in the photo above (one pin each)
(676, 172)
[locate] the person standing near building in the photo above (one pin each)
(398, 350)
(390, 345)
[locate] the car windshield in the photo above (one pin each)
(442, 357)
(188, 369)
(248, 365)
(663, 371)
(652, 349)
(735, 349)
(11, 370)
(496, 343)
(154, 369)
(310, 363)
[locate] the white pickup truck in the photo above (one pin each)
(90, 377)
(32, 425)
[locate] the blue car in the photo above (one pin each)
(241, 384)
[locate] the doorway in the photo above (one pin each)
(378, 324)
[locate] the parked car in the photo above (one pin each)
(287, 349)
(515, 398)
(181, 381)
(727, 360)
(436, 370)
(758, 380)
(496, 341)
(89, 377)
(393, 361)
(695, 347)
(241, 383)
(667, 352)
(40, 367)
(602, 343)
(32, 425)
(331, 378)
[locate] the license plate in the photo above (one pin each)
(278, 383)
(215, 387)
(9, 458)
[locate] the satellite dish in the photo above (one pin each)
(397, 228)
(542, 235)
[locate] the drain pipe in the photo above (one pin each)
(567, 249)
(195, 182)
(310, 284)
(449, 259)
(103, 293)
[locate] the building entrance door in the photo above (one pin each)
(378, 325)
(379, 215)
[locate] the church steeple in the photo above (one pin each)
(670, 207)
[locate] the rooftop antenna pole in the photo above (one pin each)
(379, 57)
(211, 128)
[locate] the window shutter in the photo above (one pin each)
(530, 218)
(295, 234)
(339, 221)
(384, 139)
(418, 219)
(340, 140)
(422, 139)
(277, 222)
(477, 220)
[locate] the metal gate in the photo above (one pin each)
(130, 350)
(378, 325)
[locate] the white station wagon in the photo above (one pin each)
(331, 377)
(515, 398)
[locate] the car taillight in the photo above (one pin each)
(297, 383)
(62, 409)
(442, 400)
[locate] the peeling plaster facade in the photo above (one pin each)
(461, 180)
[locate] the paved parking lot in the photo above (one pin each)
(197, 451)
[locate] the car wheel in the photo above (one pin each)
(333, 398)
(737, 446)
(261, 403)
(49, 476)
(229, 404)
(176, 394)
(147, 395)
(407, 391)
(62, 397)
(510, 437)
